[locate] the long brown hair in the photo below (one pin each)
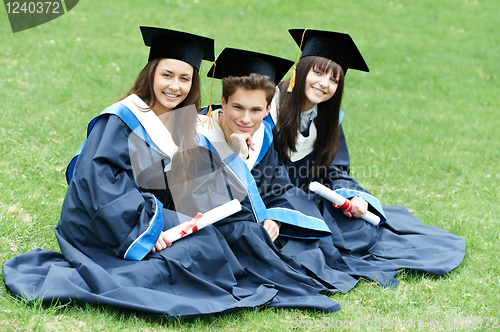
(185, 160)
(326, 122)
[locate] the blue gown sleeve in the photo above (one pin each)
(104, 209)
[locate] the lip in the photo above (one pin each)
(318, 91)
(170, 96)
(244, 128)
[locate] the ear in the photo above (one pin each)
(268, 109)
(223, 103)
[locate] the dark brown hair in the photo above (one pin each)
(290, 108)
(187, 156)
(250, 82)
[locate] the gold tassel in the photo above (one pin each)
(292, 80)
(208, 118)
(294, 72)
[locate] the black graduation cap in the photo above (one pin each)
(236, 62)
(336, 46)
(178, 45)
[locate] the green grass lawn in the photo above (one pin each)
(420, 126)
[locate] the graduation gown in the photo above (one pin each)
(400, 241)
(109, 223)
(270, 195)
(112, 215)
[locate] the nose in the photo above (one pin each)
(245, 117)
(174, 85)
(324, 80)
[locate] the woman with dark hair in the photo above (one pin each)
(328, 75)
(127, 186)
(311, 144)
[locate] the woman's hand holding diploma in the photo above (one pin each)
(343, 203)
(198, 222)
(359, 208)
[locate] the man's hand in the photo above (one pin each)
(241, 144)
(272, 227)
(163, 242)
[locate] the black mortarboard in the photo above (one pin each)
(336, 46)
(178, 45)
(235, 62)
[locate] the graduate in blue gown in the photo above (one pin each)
(311, 144)
(244, 145)
(143, 170)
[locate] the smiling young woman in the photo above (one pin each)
(311, 145)
(121, 199)
(320, 83)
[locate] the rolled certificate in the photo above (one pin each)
(343, 203)
(202, 220)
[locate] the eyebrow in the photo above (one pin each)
(235, 103)
(171, 72)
(318, 68)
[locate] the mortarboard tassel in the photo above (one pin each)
(292, 80)
(294, 72)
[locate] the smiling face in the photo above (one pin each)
(243, 112)
(172, 83)
(319, 87)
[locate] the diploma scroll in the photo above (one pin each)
(343, 203)
(202, 220)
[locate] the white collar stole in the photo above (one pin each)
(156, 130)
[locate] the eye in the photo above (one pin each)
(185, 79)
(317, 71)
(166, 75)
(334, 80)
(256, 110)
